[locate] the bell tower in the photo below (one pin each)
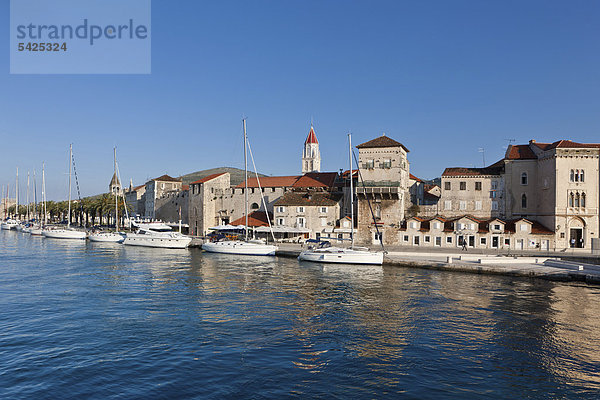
(311, 156)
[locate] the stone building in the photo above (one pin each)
(155, 189)
(114, 187)
(384, 167)
(207, 203)
(172, 206)
(317, 211)
(475, 191)
(136, 200)
(311, 156)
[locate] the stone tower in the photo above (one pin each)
(311, 157)
(115, 186)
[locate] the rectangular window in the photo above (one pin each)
(448, 205)
(427, 239)
(387, 164)
(447, 186)
(436, 225)
(405, 238)
(416, 240)
(413, 225)
(449, 239)
(301, 222)
(494, 185)
(463, 186)
(280, 221)
(323, 210)
(463, 205)
(323, 221)
(280, 209)
(494, 205)
(438, 240)
(497, 227)
(370, 164)
(477, 205)
(523, 228)
(300, 209)
(478, 186)
(507, 241)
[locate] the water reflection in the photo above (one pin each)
(246, 326)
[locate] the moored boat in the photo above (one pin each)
(157, 235)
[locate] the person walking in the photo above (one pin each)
(464, 245)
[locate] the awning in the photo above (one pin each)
(227, 228)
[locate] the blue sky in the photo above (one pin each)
(445, 78)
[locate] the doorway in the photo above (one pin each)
(576, 238)
(495, 242)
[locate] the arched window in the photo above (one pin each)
(577, 176)
(582, 199)
(524, 178)
(571, 199)
(581, 176)
(524, 201)
(572, 175)
(576, 200)
(254, 206)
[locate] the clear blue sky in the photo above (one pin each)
(443, 77)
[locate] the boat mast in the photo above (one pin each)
(17, 196)
(44, 191)
(245, 177)
(70, 158)
(116, 195)
(27, 196)
(35, 198)
(351, 192)
(3, 200)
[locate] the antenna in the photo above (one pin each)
(482, 151)
(510, 141)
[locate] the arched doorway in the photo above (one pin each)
(576, 233)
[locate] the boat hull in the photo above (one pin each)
(342, 256)
(106, 237)
(64, 234)
(133, 239)
(240, 247)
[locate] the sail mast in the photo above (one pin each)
(70, 158)
(116, 195)
(28, 196)
(35, 197)
(44, 191)
(245, 177)
(351, 192)
(17, 196)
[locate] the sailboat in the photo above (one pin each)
(68, 233)
(38, 229)
(325, 253)
(116, 236)
(246, 246)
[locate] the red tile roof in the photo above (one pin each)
(271, 181)
(311, 138)
(381, 141)
(316, 179)
(208, 178)
(414, 178)
(256, 218)
(166, 178)
(520, 152)
(185, 187)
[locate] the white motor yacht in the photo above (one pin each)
(157, 235)
(326, 253)
(10, 224)
(107, 237)
(250, 248)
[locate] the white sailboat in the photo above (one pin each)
(38, 229)
(242, 247)
(8, 223)
(116, 236)
(68, 232)
(325, 253)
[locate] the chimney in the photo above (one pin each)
(532, 141)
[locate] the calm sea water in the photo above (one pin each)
(84, 320)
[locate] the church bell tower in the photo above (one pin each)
(311, 157)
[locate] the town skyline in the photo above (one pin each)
(445, 81)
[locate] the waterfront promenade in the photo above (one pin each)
(569, 266)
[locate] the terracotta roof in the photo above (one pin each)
(347, 172)
(566, 144)
(208, 178)
(185, 188)
(381, 141)
(462, 171)
(256, 218)
(311, 138)
(520, 152)
(308, 199)
(135, 189)
(316, 179)
(414, 178)
(166, 178)
(271, 181)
